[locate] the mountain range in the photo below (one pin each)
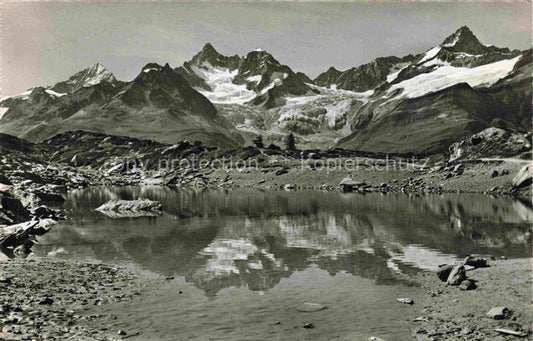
(419, 103)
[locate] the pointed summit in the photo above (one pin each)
(209, 55)
(90, 76)
(464, 40)
(328, 78)
(209, 48)
(208, 52)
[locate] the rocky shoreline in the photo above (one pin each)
(28, 204)
(452, 313)
(58, 303)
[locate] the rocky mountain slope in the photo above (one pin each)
(158, 104)
(420, 103)
(444, 96)
(257, 78)
(365, 77)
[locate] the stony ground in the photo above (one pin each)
(57, 300)
(51, 300)
(473, 177)
(454, 314)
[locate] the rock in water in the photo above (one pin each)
(130, 208)
(405, 300)
(311, 307)
(457, 275)
(499, 313)
(524, 177)
(375, 338)
(444, 272)
(288, 187)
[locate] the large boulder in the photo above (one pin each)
(21, 234)
(4, 180)
(49, 197)
(444, 272)
(476, 262)
(499, 313)
(524, 177)
(13, 209)
(457, 275)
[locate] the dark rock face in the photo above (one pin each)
(302, 77)
(160, 86)
(364, 77)
(463, 40)
(369, 76)
(328, 78)
(13, 210)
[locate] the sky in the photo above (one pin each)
(46, 42)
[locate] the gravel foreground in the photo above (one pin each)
(454, 314)
(45, 299)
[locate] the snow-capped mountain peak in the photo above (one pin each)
(463, 33)
(96, 74)
(463, 40)
(90, 76)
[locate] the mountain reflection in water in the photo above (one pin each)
(253, 239)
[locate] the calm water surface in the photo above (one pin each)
(246, 258)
